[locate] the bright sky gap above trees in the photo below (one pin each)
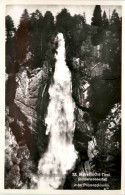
(15, 11)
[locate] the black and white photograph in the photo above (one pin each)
(63, 67)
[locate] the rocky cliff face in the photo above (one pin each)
(95, 92)
(27, 108)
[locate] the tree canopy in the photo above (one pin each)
(9, 27)
(105, 21)
(97, 18)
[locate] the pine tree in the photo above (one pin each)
(105, 21)
(48, 29)
(24, 20)
(22, 35)
(10, 30)
(64, 21)
(10, 45)
(36, 21)
(98, 37)
(84, 16)
(115, 23)
(115, 45)
(48, 21)
(37, 27)
(97, 19)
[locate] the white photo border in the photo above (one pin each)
(2, 98)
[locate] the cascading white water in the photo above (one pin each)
(61, 155)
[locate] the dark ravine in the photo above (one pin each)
(31, 109)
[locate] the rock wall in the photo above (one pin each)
(27, 101)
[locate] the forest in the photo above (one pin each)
(93, 55)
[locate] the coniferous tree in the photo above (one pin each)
(10, 30)
(65, 24)
(48, 21)
(24, 20)
(105, 21)
(64, 21)
(78, 33)
(22, 36)
(10, 44)
(97, 38)
(115, 23)
(84, 16)
(97, 18)
(115, 46)
(48, 29)
(36, 23)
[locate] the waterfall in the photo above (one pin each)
(61, 155)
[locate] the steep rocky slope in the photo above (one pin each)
(27, 99)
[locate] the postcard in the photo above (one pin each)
(62, 97)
